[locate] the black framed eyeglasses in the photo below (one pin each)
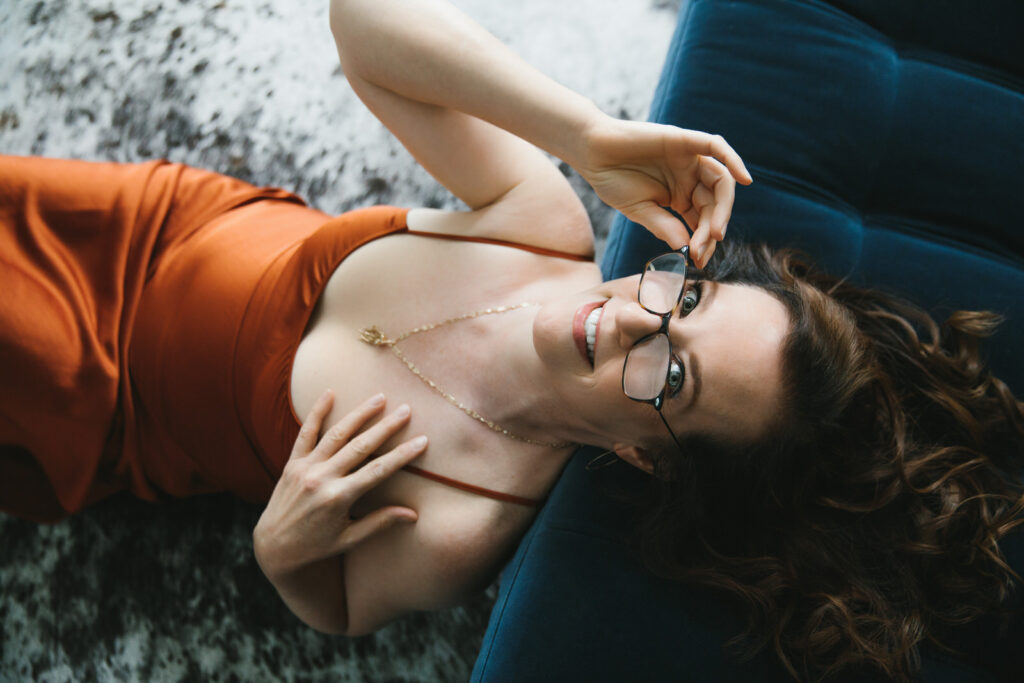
(650, 368)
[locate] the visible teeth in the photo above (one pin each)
(590, 327)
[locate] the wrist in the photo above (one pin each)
(594, 136)
(580, 143)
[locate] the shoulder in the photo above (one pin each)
(533, 213)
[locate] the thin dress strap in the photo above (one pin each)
(455, 483)
(501, 243)
(479, 490)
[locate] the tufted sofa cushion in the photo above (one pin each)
(886, 139)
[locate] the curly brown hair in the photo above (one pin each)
(870, 518)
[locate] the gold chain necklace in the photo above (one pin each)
(375, 337)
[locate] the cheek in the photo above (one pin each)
(632, 422)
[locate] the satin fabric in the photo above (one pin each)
(148, 323)
(148, 317)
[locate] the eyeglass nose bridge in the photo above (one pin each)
(663, 326)
(666, 320)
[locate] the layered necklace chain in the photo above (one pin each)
(375, 337)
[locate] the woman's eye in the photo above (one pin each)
(676, 375)
(690, 299)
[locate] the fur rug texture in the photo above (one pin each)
(132, 591)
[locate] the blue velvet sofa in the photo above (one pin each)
(886, 139)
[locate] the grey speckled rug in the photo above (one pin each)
(131, 591)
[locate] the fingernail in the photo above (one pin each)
(402, 411)
(377, 400)
(418, 442)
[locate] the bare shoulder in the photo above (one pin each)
(542, 212)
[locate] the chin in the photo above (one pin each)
(549, 335)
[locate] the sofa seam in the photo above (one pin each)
(905, 49)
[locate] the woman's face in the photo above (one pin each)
(728, 348)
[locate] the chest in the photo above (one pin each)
(401, 282)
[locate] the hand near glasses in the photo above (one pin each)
(307, 518)
(638, 168)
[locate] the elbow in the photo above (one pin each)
(340, 30)
(334, 17)
(343, 19)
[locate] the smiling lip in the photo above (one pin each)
(579, 335)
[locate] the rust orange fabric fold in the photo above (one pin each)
(122, 289)
(149, 316)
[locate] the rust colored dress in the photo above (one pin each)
(149, 315)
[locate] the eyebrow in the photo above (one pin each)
(694, 361)
(695, 371)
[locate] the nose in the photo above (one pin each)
(633, 323)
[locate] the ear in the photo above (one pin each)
(635, 456)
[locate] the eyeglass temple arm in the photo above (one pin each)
(678, 445)
(692, 271)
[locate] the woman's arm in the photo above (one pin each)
(463, 104)
(429, 52)
(305, 530)
(315, 593)
(401, 59)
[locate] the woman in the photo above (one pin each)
(328, 304)
(232, 315)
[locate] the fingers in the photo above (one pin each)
(310, 430)
(377, 470)
(692, 218)
(716, 146)
(704, 203)
(345, 449)
(714, 208)
(344, 429)
(700, 240)
(374, 523)
(660, 222)
(715, 176)
(709, 251)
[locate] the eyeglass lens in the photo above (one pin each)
(646, 368)
(662, 283)
(643, 377)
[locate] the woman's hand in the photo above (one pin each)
(638, 168)
(307, 518)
